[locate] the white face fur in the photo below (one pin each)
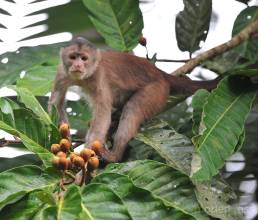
(80, 63)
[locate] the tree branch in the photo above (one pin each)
(242, 36)
(172, 61)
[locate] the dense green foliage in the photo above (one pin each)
(171, 167)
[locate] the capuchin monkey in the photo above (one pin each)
(119, 80)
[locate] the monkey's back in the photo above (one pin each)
(129, 71)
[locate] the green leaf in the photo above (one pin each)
(141, 204)
(240, 141)
(172, 187)
(138, 150)
(223, 63)
(26, 59)
(69, 206)
(192, 24)
(245, 72)
(100, 202)
(27, 159)
(120, 24)
(48, 212)
(38, 79)
(247, 49)
(199, 99)
(224, 115)
(17, 182)
(213, 197)
(79, 115)
(32, 103)
(25, 208)
(175, 148)
(32, 132)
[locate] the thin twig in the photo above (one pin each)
(70, 175)
(68, 182)
(167, 60)
(239, 38)
(172, 61)
(62, 182)
(83, 176)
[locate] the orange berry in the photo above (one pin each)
(93, 163)
(55, 161)
(60, 163)
(64, 130)
(73, 155)
(61, 154)
(78, 162)
(96, 146)
(63, 163)
(87, 153)
(55, 148)
(69, 162)
(65, 145)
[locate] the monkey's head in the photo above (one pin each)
(80, 58)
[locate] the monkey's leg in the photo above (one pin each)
(141, 106)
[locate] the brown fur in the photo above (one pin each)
(120, 80)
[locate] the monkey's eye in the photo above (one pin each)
(84, 58)
(72, 57)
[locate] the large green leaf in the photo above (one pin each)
(17, 182)
(223, 63)
(27, 159)
(120, 24)
(69, 206)
(33, 133)
(38, 79)
(192, 24)
(25, 208)
(165, 183)
(25, 60)
(100, 202)
(247, 49)
(224, 115)
(214, 197)
(32, 103)
(141, 204)
(175, 148)
(137, 150)
(47, 212)
(199, 99)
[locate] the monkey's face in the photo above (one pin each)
(76, 61)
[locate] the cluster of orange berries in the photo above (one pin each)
(65, 159)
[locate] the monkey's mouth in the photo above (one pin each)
(76, 74)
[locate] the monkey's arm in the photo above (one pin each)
(57, 97)
(101, 109)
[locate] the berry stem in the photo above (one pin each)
(83, 175)
(69, 174)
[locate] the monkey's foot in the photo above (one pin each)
(109, 156)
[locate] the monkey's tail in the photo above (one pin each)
(184, 85)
